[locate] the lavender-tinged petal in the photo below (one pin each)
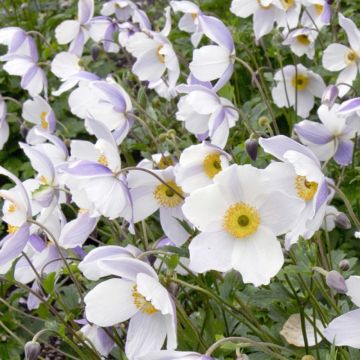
(225, 77)
(85, 10)
(37, 242)
(33, 301)
(202, 137)
(344, 152)
(84, 168)
(192, 80)
(54, 139)
(350, 106)
(114, 95)
(17, 40)
(326, 14)
(13, 244)
(77, 45)
(79, 252)
(322, 195)
(52, 121)
(108, 37)
(119, 134)
(215, 29)
(28, 76)
(314, 132)
(33, 49)
(220, 117)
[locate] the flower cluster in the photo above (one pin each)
(195, 197)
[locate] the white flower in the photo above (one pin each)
(317, 14)
(297, 87)
(138, 296)
(198, 164)
(302, 42)
(338, 57)
(239, 217)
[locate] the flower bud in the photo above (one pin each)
(336, 282)
(330, 2)
(307, 357)
(32, 350)
(24, 130)
(329, 96)
(263, 121)
(342, 222)
(251, 146)
(95, 51)
(344, 265)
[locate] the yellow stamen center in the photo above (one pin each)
(12, 229)
(43, 121)
(300, 82)
(165, 162)
(212, 165)
(351, 57)
(194, 15)
(160, 56)
(319, 9)
(43, 180)
(241, 220)
(103, 160)
(11, 208)
(305, 189)
(168, 197)
(287, 4)
(303, 39)
(141, 303)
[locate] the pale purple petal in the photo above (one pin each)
(37, 242)
(322, 195)
(314, 132)
(350, 106)
(344, 152)
(87, 169)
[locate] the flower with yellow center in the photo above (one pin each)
(300, 81)
(141, 303)
(168, 195)
(305, 189)
(212, 164)
(160, 56)
(241, 220)
(43, 121)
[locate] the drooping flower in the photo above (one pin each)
(138, 296)
(239, 217)
(76, 32)
(300, 176)
(198, 164)
(103, 30)
(338, 57)
(205, 114)
(302, 42)
(330, 138)
(316, 15)
(296, 87)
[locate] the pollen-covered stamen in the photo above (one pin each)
(305, 189)
(241, 220)
(319, 9)
(287, 4)
(43, 180)
(194, 15)
(351, 56)
(300, 81)
(43, 121)
(303, 39)
(212, 165)
(141, 303)
(12, 229)
(102, 159)
(165, 162)
(160, 56)
(166, 196)
(11, 208)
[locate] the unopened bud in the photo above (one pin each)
(342, 222)
(330, 2)
(95, 51)
(32, 350)
(307, 357)
(251, 146)
(24, 130)
(329, 96)
(336, 282)
(263, 121)
(344, 265)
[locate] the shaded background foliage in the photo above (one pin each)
(271, 304)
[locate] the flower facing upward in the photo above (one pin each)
(239, 217)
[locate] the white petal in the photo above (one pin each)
(111, 302)
(334, 57)
(67, 31)
(353, 285)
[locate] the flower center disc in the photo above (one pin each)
(160, 56)
(43, 122)
(303, 39)
(350, 57)
(241, 220)
(319, 9)
(305, 189)
(141, 303)
(103, 160)
(12, 229)
(300, 81)
(212, 165)
(168, 197)
(165, 161)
